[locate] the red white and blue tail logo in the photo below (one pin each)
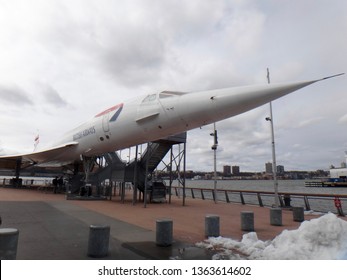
(117, 110)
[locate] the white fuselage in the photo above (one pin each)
(155, 116)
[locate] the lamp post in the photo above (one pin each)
(274, 165)
(214, 148)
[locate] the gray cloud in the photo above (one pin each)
(133, 60)
(310, 122)
(14, 95)
(343, 119)
(53, 97)
(99, 52)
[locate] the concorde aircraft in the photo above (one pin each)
(155, 116)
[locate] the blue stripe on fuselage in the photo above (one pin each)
(116, 114)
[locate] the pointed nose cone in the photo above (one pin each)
(205, 107)
(272, 92)
(234, 101)
(239, 100)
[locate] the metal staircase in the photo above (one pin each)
(115, 169)
(150, 160)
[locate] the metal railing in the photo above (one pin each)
(27, 183)
(314, 202)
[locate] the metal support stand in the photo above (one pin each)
(178, 166)
(135, 175)
(88, 165)
(274, 164)
(146, 178)
(17, 181)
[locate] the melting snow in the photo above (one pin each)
(317, 239)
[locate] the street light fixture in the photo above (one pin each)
(274, 165)
(214, 148)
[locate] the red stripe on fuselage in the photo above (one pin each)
(109, 110)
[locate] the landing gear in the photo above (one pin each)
(88, 165)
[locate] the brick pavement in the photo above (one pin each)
(133, 225)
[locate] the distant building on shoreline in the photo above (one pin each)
(226, 170)
(280, 169)
(268, 167)
(236, 170)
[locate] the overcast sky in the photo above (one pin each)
(61, 62)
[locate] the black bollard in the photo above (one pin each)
(164, 229)
(8, 243)
(247, 221)
(276, 216)
(99, 236)
(298, 214)
(212, 226)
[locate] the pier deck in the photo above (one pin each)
(52, 227)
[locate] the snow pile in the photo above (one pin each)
(321, 238)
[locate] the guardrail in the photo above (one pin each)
(314, 202)
(27, 183)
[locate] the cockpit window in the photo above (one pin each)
(165, 94)
(149, 98)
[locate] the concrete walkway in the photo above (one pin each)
(54, 228)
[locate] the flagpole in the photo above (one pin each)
(36, 140)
